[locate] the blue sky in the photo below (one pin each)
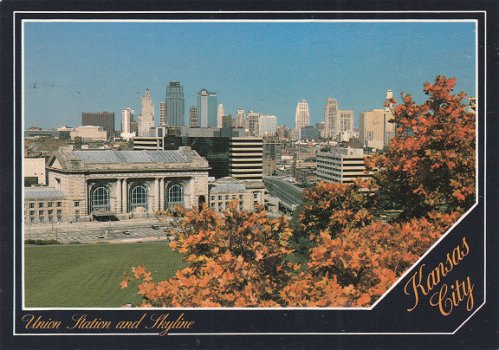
(75, 67)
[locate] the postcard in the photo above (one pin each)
(287, 177)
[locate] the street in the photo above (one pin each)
(92, 232)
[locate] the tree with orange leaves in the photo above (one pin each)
(352, 257)
(430, 163)
(236, 258)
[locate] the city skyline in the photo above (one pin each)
(75, 67)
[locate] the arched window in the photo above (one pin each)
(175, 195)
(100, 198)
(138, 197)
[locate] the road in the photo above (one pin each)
(284, 190)
(91, 232)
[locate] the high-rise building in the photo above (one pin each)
(104, 119)
(302, 115)
(240, 120)
(220, 115)
(344, 124)
(175, 104)
(207, 109)
(162, 114)
(337, 123)
(267, 125)
(375, 130)
(246, 158)
(253, 119)
(193, 117)
(146, 118)
(126, 118)
(330, 111)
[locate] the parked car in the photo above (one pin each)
(126, 232)
(155, 227)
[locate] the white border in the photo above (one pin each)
(260, 21)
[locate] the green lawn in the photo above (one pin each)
(88, 275)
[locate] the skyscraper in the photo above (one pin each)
(253, 119)
(337, 123)
(375, 129)
(302, 115)
(146, 118)
(239, 118)
(175, 104)
(193, 117)
(104, 119)
(220, 115)
(162, 113)
(344, 125)
(330, 111)
(126, 118)
(207, 109)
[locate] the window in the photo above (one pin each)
(100, 199)
(219, 198)
(31, 205)
(227, 197)
(49, 204)
(138, 197)
(175, 195)
(76, 203)
(40, 212)
(59, 204)
(51, 212)
(40, 205)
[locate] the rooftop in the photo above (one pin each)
(41, 193)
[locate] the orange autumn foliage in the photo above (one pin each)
(430, 164)
(242, 259)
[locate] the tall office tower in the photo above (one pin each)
(175, 104)
(302, 115)
(220, 115)
(246, 158)
(207, 109)
(344, 125)
(375, 130)
(267, 125)
(330, 111)
(212, 109)
(162, 113)
(193, 117)
(146, 118)
(104, 119)
(126, 118)
(240, 120)
(252, 119)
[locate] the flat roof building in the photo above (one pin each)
(341, 165)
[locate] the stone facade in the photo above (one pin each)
(109, 184)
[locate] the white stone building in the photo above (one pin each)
(341, 165)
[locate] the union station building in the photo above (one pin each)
(113, 185)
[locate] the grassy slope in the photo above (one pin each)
(89, 275)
